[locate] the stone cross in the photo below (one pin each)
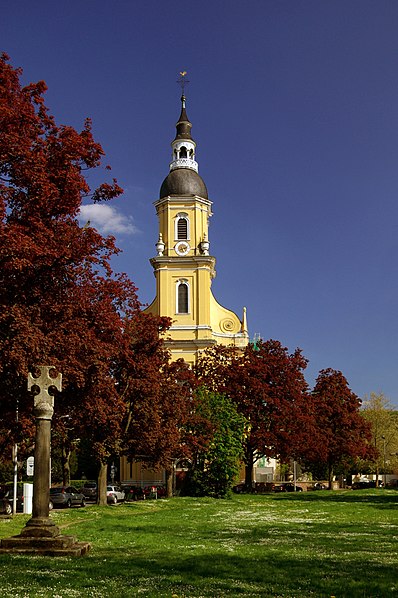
(43, 386)
(40, 534)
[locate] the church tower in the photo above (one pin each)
(184, 267)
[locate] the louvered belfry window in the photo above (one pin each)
(182, 228)
(182, 298)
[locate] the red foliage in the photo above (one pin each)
(60, 302)
(157, 393)
(268, 386)
(341, 429)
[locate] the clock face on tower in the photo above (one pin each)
(182, 248)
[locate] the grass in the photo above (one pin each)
(341, 544)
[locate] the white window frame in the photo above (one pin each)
(179, 216)
(185, 282)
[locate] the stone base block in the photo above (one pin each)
(46, 546)
(40, 528)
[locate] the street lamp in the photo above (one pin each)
(384, 461)
(15, 464)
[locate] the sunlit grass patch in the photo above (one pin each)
(312, 544)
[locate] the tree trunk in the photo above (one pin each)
(169, 481)
(330, 477)
(102, 478)
(249, 468)
(65, 465)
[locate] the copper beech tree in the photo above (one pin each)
(157, 395)
(343, 431)
(60, 301)
(268, 386)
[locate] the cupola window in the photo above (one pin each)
(182, 297)
(183, 152)
(182, 227)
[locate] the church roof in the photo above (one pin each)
(183, 178)
(183, 181)
(183, 125)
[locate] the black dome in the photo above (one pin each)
(183, 181)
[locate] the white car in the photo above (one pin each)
(114, 494)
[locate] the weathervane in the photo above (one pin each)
(183, 81)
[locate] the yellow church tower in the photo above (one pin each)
(183, 267)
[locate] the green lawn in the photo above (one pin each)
(309, 544)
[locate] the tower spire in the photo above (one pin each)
(183, 145)
(183, 82)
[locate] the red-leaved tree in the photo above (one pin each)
(341, 429)
(157, 394)
(269, 389)
(60, 302)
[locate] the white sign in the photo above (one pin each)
(30, 466)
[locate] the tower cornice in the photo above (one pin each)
(182, 199)
(191, 261)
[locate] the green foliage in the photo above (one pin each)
(6, 471)
(215, 466)
(383, 417)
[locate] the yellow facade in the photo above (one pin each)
(184, 268)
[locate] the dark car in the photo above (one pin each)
(5, 503)
(364, 485)
(264, 487)
(239, 488)
(319, 486)
(90, 490)
(288, 487)
(9, 494)
(67, 496)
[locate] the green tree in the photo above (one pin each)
(217, 431)
(380, 412)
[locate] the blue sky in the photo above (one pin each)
(294, 106)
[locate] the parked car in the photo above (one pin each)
(133, 493)
(238, 488)
(114, 494)
(8, 493)
(288, 487)
(90, 490)
(363, 484)
(67, 496)
(5, 504)
(264, 487)
(319, 486)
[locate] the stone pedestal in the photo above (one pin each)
(44, 545)
(40, 534)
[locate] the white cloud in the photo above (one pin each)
(107, 219)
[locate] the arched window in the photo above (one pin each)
(183, 152)
(182, 227)
(182, 297)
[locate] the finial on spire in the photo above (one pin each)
(183, 82)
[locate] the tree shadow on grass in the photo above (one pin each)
(214, 575)
(379, 498)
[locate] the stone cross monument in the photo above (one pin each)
(40, 534)
(43, 387)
